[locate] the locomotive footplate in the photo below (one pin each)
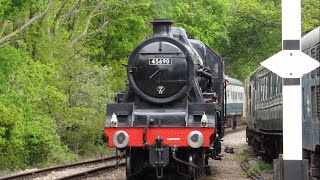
(159, 156)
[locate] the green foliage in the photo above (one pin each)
(310, 14)
(204, 20)
(243, 156)
(254, 34)
(12, 152)
(10, 60)
(257, 165)
(261, 166)
(27, 134)
(13, 8)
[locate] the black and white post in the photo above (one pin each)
(291, 64)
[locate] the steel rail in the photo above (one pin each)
(245, 167)
(231, 131)
(92, 171)
(32, 173)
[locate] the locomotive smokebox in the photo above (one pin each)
(162, 27)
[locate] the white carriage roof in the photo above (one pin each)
(310, 39)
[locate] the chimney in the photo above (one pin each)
(162, 27)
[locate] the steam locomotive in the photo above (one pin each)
(169, 120)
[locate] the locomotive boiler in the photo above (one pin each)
(168, 122)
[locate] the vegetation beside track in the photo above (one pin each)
(254, 166)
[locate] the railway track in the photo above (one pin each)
(43, 172)
(240, 127)
(92, 171)
(251, 174)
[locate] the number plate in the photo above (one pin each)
(160, 61)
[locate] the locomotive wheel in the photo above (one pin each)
(191, 170)
(198, 163)
(234, 122)
(128, 167)
(206, 166)
(248, 136)
(134, 162)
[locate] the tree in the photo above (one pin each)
(254, 34)
(9, 11)
(310, 14)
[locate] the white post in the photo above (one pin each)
(291, 20)
(292, 120)
(292, 99)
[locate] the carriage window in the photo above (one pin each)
(318, 59)
(261, 90)
(257, 85)
(274, 85)
(265, 88)
(235, 96)
(315, 103)
(280, 86)
(270, 85)
(318, 53)
(303, 105)
(313, 55)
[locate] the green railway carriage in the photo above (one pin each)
(310, 45)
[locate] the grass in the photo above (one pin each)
(244, 155)
(256, 163)
(260, 166)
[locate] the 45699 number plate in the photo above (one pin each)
(160, 61)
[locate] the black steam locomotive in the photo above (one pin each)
(169, 120)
